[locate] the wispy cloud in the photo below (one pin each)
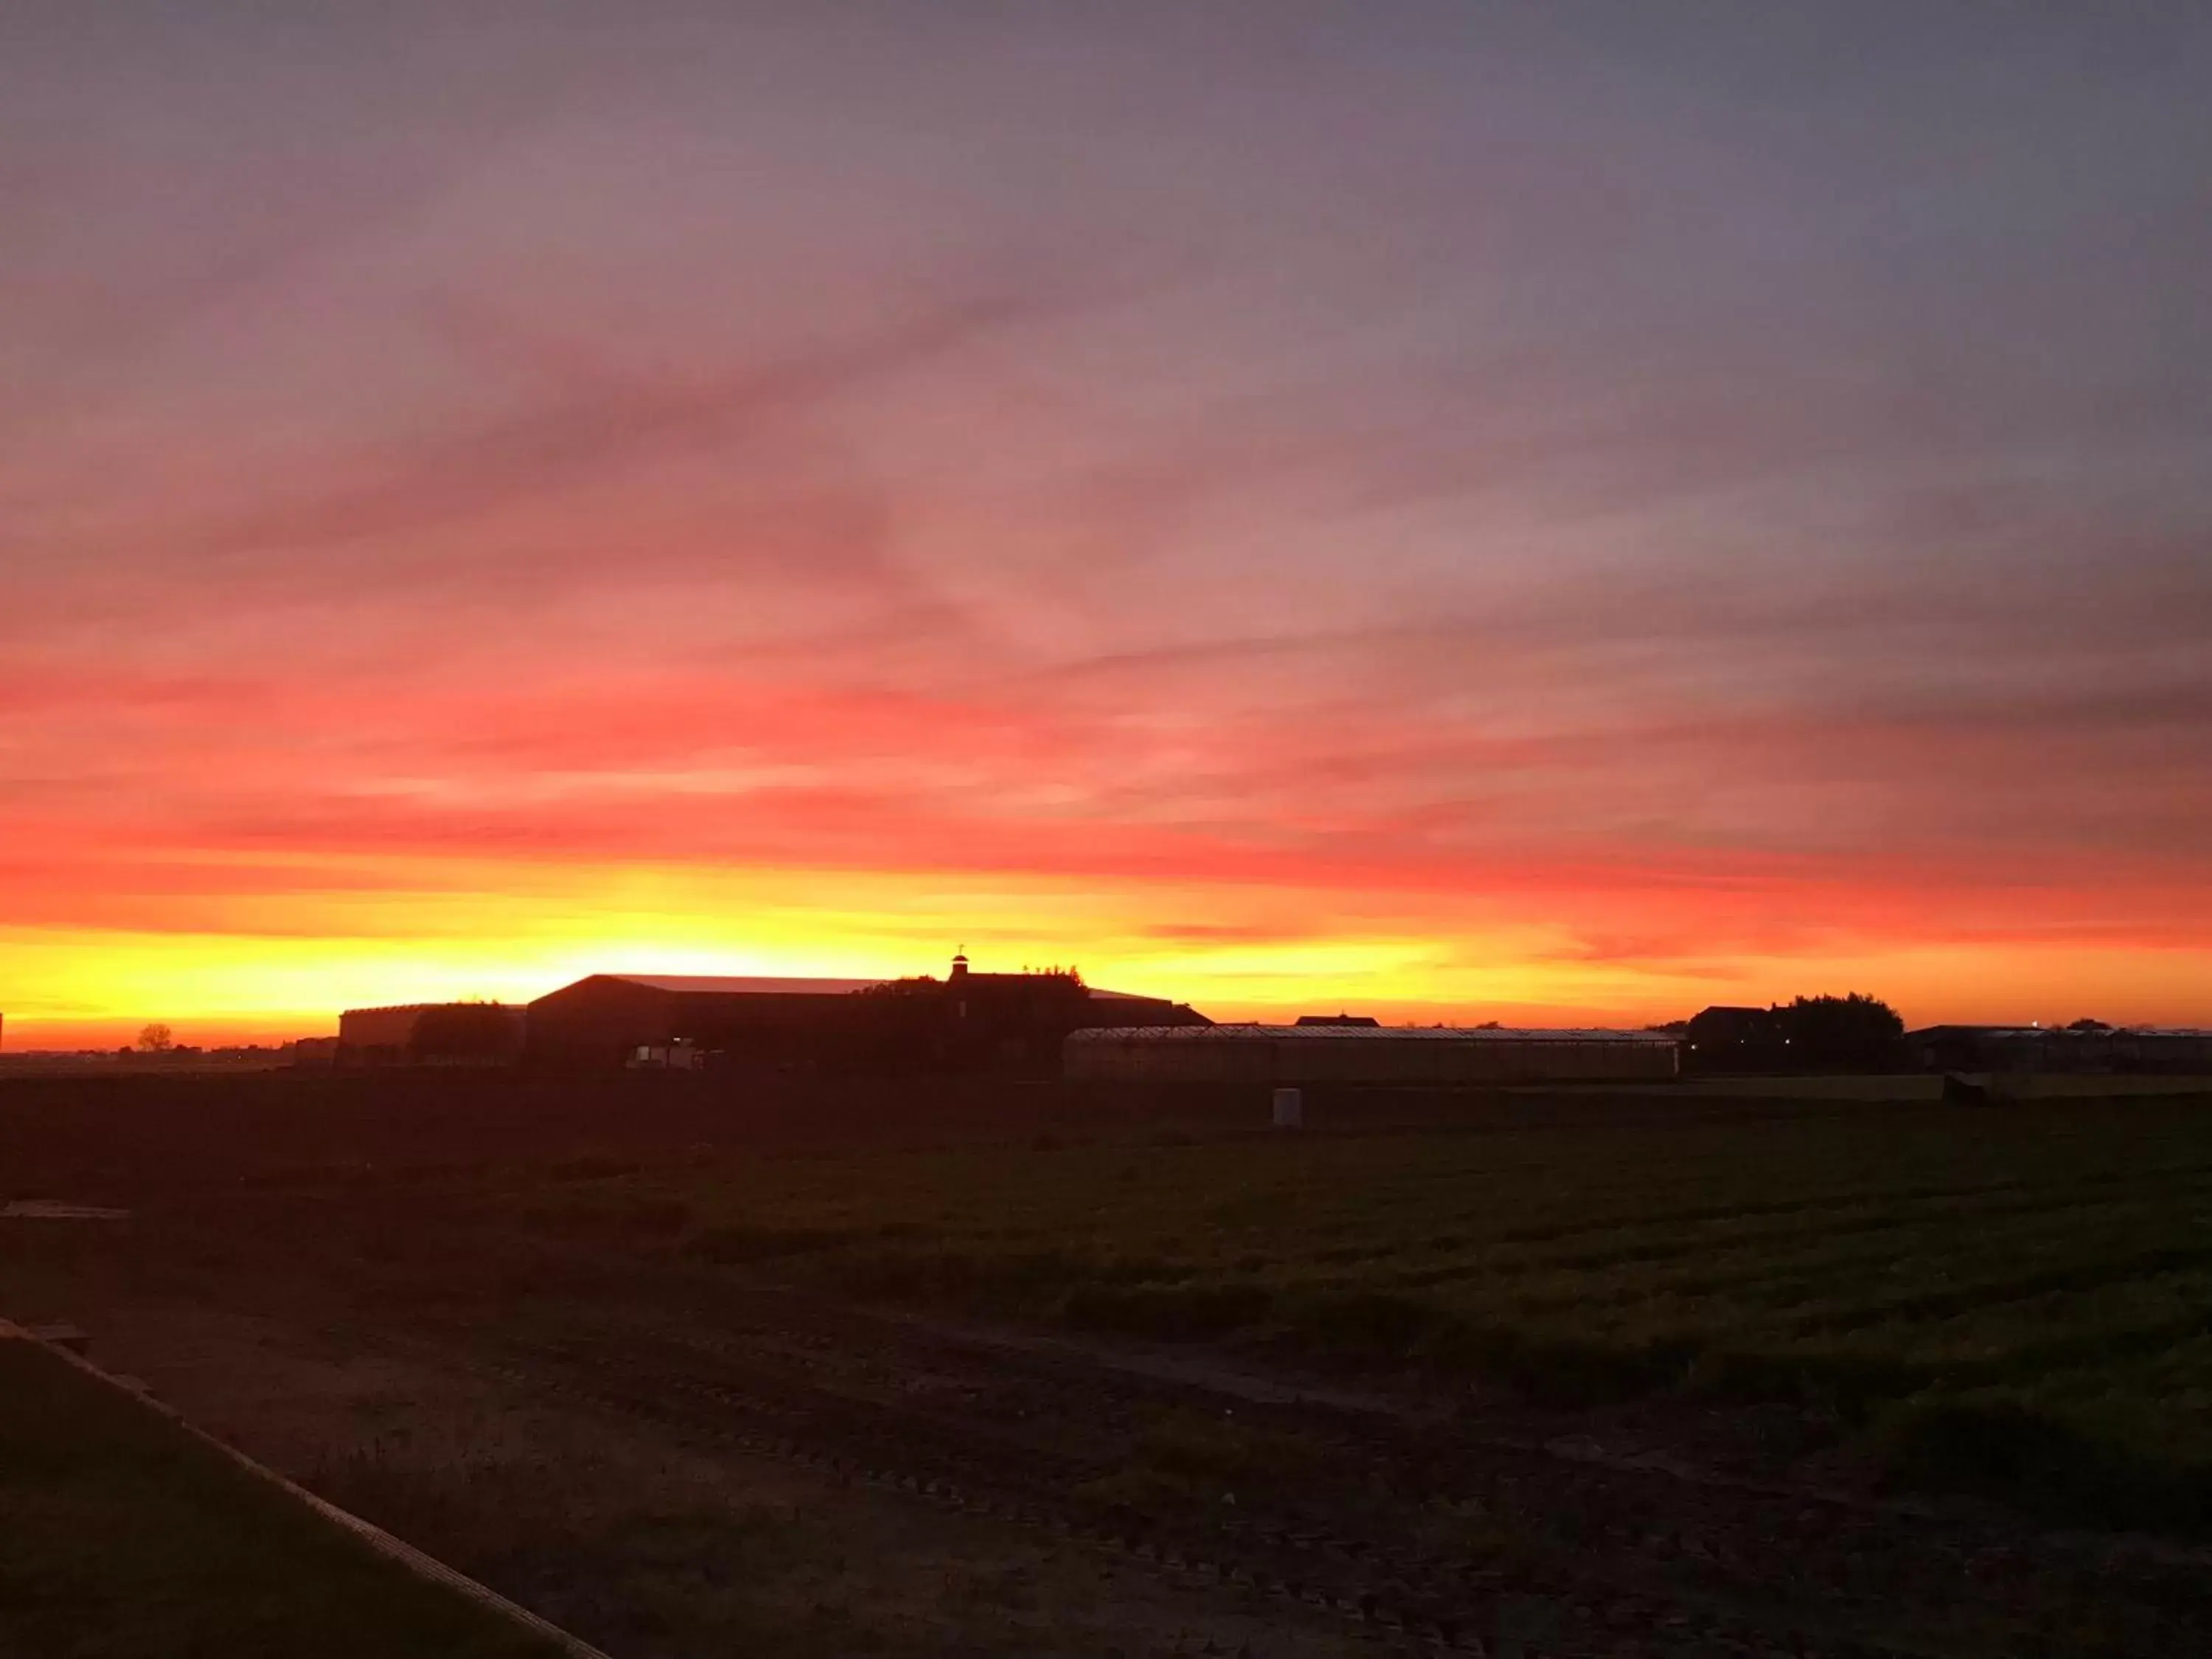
(1290, 499)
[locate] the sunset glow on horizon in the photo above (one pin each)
(1454, 514)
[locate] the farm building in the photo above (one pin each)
(620, 1019)
(1726, 1039)
(2088, 1047)
(430, 1033)
(1365, 1054)
(965, 1021)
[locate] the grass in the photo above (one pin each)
(120, 1536)
(2017, 1302)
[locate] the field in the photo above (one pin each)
(120, 1536)
(1561, 1374)
(2018, 1301)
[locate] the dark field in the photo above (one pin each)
(122, 1538)
(2019, 1300)
(1573, 1374)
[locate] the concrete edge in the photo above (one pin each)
(395, 1549)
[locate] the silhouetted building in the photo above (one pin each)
(1725, 1039)
(612, 1020)
(1420, 1056)
(1012, 1023)
(430, 1034)
(2085, 1048)
(967, 1022)
(1338, 1019)
(1815, 1034)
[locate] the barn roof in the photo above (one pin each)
(1927, 1032)
(771, 985)
(743, 984)
(1365, 1034)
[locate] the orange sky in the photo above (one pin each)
(1487, 517)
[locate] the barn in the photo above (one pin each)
(1428, 1056)
(966, 1021)
(610, 1020)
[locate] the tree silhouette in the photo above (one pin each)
(156, 1039)
(1854, 1033)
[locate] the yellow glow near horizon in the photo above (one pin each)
(78, 988)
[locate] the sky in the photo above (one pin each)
(1544, 513)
